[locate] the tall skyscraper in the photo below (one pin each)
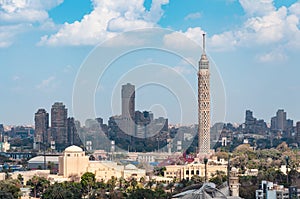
(73, 137)
(298, 132)
(41, 119)
(59, 115)
(281, 119)
(1, 132)
(128, 100)
(280, 122)
(204, 103)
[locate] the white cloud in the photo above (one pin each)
(182, 70)
(47, 83)
(295, 8)
(16, 78)
(107, 19)
(265, 26)
(269, 26)
(19, 16)
(179, 39)
(26, 10)
(257, 7)
(9, 32)
(192, 16)
(275, 55)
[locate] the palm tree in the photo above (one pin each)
(133, 183)
(20, 178)
(111, 184)
(34, 182)
(150, 183)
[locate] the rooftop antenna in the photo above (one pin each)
(203, 43)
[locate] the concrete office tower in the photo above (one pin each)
(128, 101)
(298, 132)
(281, 120)
(204, 103)
(41, 120)
(59, 115)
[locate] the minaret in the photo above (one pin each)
(204, 103)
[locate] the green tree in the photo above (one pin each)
(111, 184)
(39, 185)
(70, 190)
(197, 179)
(141, 193)
(88, 182)
(133, 183)
(9, 189)
(20, 178)
(218, 178)
(150, 183)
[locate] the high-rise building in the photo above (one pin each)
(253, 125)
(204, 103)
(298, 131)
(73, 137)
(128, 100)
(41, 119)
(1, 132)
(280, 122)
(59, 115)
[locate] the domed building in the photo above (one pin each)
(73, 162)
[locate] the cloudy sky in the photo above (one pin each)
(253, 44)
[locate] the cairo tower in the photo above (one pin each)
(203, 104)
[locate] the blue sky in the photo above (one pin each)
(254, 45)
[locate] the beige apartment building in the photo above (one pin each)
(187, 171)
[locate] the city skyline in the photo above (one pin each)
(254, 48)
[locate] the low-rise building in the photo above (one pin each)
(27, 175)
(270, 190)
(39, 162)
(74, 162)
(187, 171)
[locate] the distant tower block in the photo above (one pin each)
(204, 103)
(128, 100)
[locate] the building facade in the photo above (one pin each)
(59, 115)
(187, 171)
(74, 162)
(128, 100)
(280, 122)
(41, 120)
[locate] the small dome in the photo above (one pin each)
(234, 169)
(130, 167)
(73, 148)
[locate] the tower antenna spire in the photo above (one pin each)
(203, 43)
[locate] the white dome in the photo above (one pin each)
(130, 167)
(73, 148)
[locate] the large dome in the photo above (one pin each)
(73, 148)
(130, 167)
